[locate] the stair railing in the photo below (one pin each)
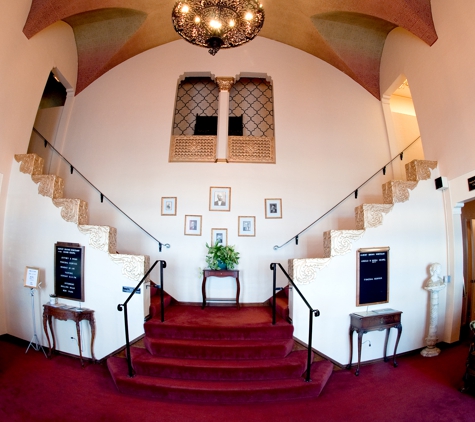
(123, 307)
(313, 313)
(353, 192)
(72, 169)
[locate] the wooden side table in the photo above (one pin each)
(383, 319)
(220, 273)
(64, 314)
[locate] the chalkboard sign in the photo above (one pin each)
(372, 284)
(69, 271)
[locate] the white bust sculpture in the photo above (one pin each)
(433, 286)
(435, 280)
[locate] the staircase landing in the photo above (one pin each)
(219, 354)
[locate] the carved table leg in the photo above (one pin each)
(45, 328)
(79, 341)
(50, 323)
(360, 337)
(203, 290)
(92, 323)
(399, 331)
(238, 291)
(386, 344)
(351, 348)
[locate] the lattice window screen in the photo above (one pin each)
(195, 95)
(253, 98)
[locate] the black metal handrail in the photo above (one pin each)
(123, 307)
(353, 192)
(313, 313)
(47, 143)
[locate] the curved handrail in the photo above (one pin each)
(47, 143)
(123, 307)
(353, 192)
(312, 313)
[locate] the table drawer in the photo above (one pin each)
(375, 321)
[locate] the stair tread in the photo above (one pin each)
(293, 365)
(219, 349)
(142, 355)
(219, 390)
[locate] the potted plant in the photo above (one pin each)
(221, 257)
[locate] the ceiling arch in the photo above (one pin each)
(348, 34)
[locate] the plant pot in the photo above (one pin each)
(222, 265)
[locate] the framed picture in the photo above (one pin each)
(193, 225)
(219, 236)
(169, 205)
(219, 199)
(273, 208)
(31, 278)
(246, 226)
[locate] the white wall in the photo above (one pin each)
(442, 88)
(31, 243)
(330, 137)
(415, 232)
(442, 83)
(24, 69)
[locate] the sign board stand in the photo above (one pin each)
(31, 281)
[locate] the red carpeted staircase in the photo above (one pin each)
(219, 354)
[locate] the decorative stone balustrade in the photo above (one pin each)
(103, 238)
(340, 242)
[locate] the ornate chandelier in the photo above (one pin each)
(217, 24)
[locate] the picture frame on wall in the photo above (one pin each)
(219, 236)
(219, 198)
(193, 225)
(169, 204)
(31, 278)
(246, 226)
(273, 208)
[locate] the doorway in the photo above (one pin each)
(47, 119)
(401, 125)
(468, 232)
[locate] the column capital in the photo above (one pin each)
(224, 83)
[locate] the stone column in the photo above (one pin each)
(224, 84)
(434, 286)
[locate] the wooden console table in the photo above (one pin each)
(383, 319)
(69, 313)
(220, 273)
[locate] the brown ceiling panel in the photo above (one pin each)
(348, 34)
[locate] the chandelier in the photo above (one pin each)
(217, 24)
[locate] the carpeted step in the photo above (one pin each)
(281, 303)
(156, 303)
(219, 349)
(169, 329)
(292, 366)
(219, 391)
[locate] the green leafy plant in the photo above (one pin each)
(218, 254)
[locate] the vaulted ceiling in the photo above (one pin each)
(348, 34)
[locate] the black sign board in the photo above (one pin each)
(471, 183)
(373, 276)
(69, 271)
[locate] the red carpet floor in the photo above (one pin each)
(420, 389)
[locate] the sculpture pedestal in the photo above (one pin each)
(431, 339)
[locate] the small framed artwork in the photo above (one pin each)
(219, 199)
(193, 225)
(246, 226)
(31, 278)
(273, 208)
(169, 205)
(219, 236)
